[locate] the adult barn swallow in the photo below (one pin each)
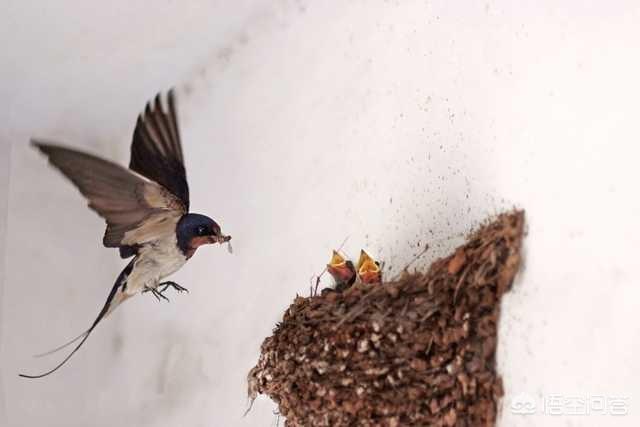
(146, 208)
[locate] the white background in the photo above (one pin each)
(392, 123)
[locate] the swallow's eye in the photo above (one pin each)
(201, 230)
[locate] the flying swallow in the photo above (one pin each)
(146, 208)
(368, 269)
(342, 271)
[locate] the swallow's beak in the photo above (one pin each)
(368, 269)
(341, 270)
(221, 238)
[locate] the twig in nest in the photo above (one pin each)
(359, 307)
(459, 284)
(406, 267)
(250, 407)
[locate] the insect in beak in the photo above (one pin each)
(220, 238)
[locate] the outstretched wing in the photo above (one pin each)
(136, 209)
(156, 151)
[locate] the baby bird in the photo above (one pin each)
(368, 269)
(342, 271)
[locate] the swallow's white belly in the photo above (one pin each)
(154, 262)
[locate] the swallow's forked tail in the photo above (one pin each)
(105, 310)
(65, 345)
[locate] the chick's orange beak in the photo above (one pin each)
(368, 269)
(340, 269)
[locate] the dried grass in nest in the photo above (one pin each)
(417, 351)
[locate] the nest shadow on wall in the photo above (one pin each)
(419, 350)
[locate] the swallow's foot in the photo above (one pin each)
(156, 293)
(174, 285)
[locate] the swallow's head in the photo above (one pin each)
(368, 269)
(195, 230)
(341, 269)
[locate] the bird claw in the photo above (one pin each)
(156, 293)
(174, 285)
(159, 293)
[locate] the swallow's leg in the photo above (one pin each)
(156, 293)
(174, 285)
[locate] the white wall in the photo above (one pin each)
(4, 192)
(388, 122)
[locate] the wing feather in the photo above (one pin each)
(136, 209)
(156, 150)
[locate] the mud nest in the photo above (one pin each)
(415, 351)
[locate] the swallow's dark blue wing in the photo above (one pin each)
(156, 151)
